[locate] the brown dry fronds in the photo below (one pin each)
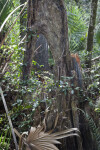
(40, 140)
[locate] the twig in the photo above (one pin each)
(37, 49)
(9, 119)
(22, 40)
(96, 58)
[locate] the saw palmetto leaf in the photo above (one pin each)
(45, 141)
(39, 140)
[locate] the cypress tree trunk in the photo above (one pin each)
(49, 18)
(54, 28)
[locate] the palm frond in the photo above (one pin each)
(6, 19)
(77, 26)
(40, 140)
(5, 6)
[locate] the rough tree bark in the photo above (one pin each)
(48, 17)
(53, 27)
(91, 32)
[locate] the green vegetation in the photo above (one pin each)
(23, 97)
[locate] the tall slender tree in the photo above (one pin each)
(91, 32)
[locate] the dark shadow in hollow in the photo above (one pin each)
(42, 56)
